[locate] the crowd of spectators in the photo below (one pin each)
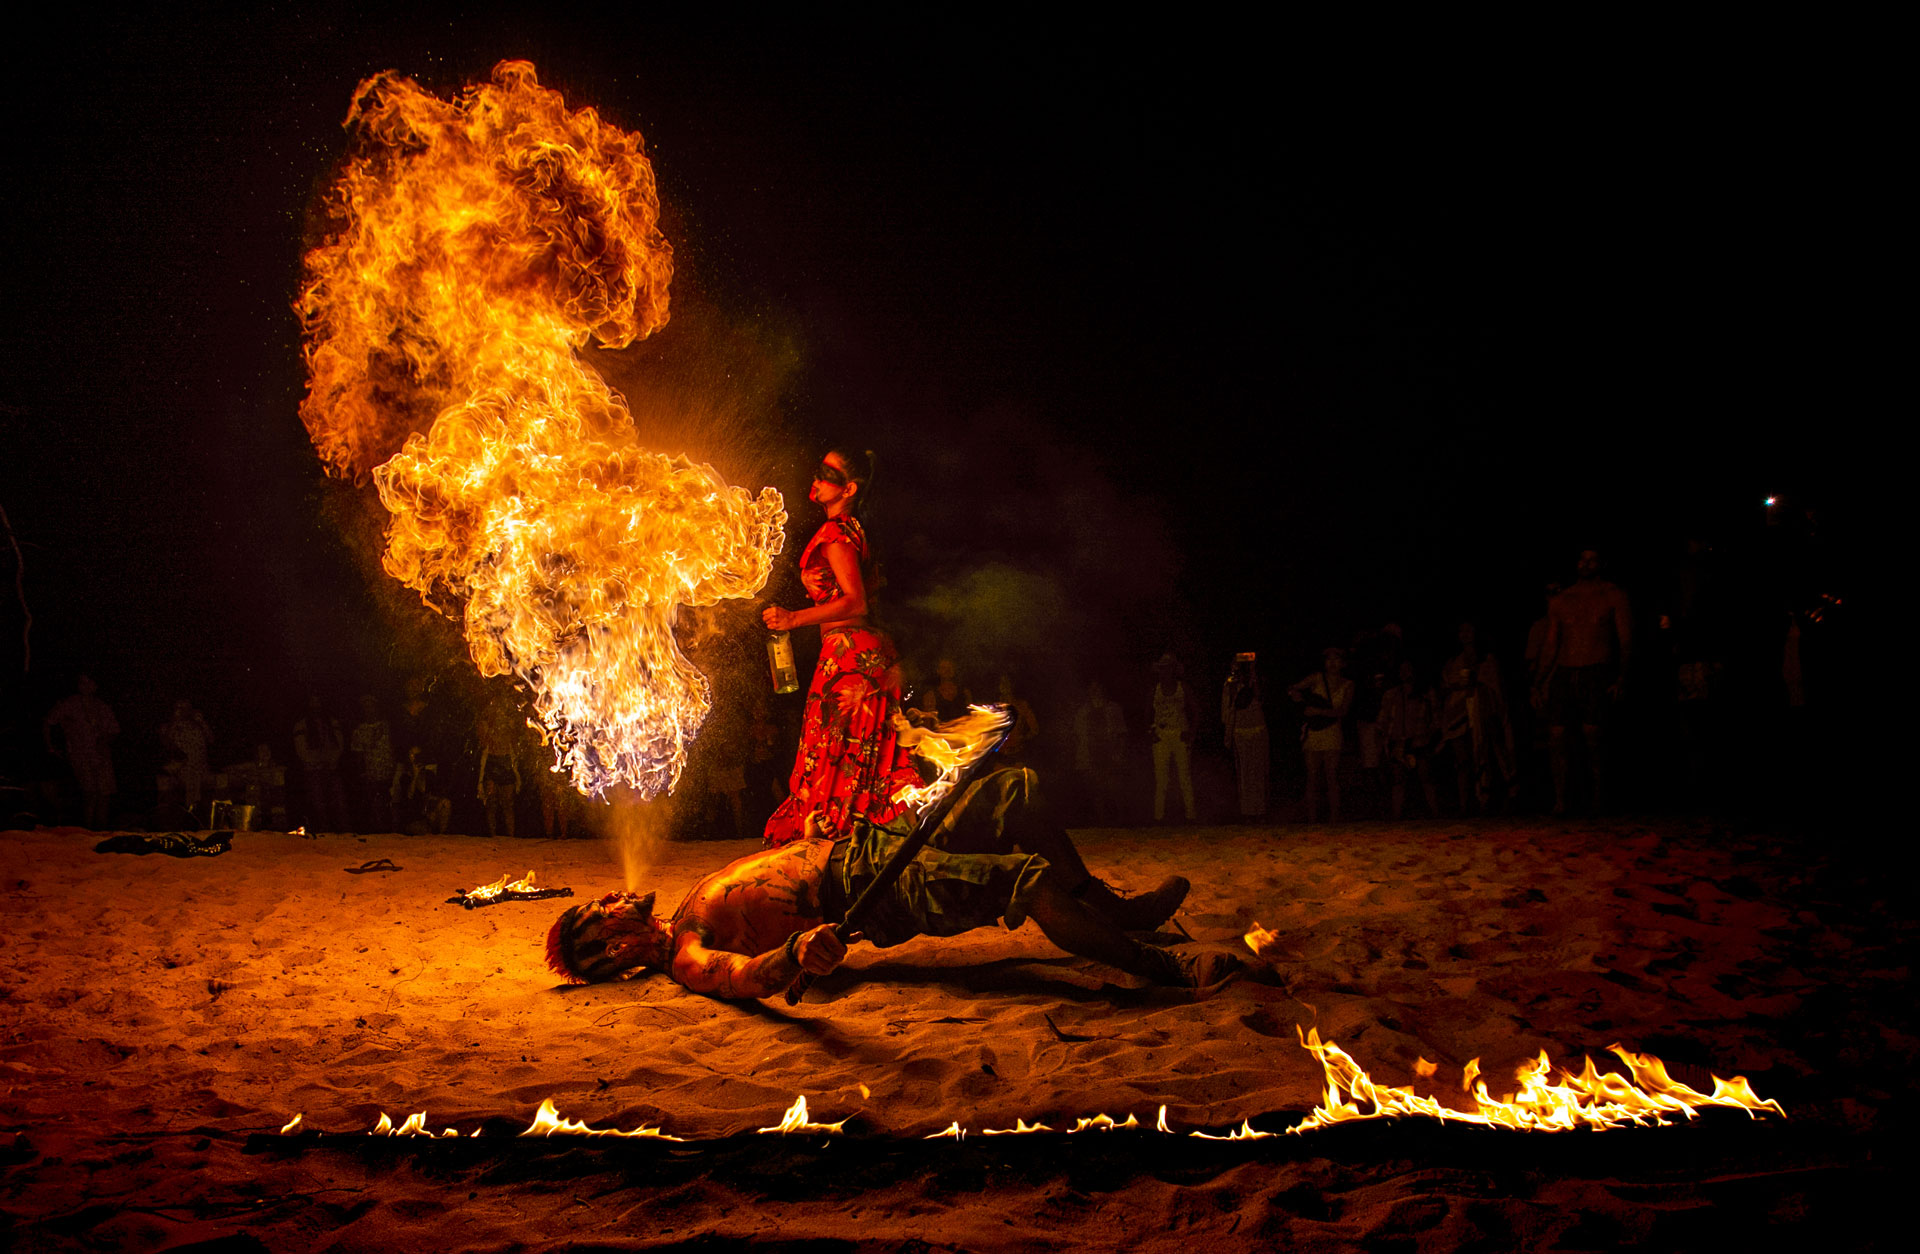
(427, 766)
(1707, 688)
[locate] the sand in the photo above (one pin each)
(162, 1016)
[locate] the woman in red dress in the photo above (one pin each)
(849, 765)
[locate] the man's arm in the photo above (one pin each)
(719, 973)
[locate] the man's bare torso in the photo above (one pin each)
(753, 904)
(1588, 623)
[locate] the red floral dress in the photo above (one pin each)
(849, 766)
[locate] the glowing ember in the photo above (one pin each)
(1260, 940)
(1020, 1128)
(795, 1120)
(1590, 1099)
(547, 1121)
(952, 1131)
(479, 243)
(293, 1125)
(1104, 1123)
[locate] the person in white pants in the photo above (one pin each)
(1175, 715)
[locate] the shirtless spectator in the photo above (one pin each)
(1582, 664)
(750, 928)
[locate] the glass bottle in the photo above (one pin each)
(786, 678)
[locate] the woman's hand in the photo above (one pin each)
(777, 619)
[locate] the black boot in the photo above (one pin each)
(1187, 970)
(1134, 914)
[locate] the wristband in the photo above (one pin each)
(793, 954)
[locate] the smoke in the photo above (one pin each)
(636, 832)
(1066, 576)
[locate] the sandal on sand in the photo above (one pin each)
(378, 864)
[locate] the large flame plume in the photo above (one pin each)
(480, 242)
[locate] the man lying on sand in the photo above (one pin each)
(750, 928)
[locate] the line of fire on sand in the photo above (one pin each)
(1589, 1098)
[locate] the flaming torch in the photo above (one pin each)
(478, 243)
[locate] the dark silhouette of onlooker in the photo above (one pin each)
(1537, 638)
(1026, 726)
(1326, 694)
(556, 801)
(1474, 727)
(259, 782)
(766, 781)
(1374, 666)
(1695, 637)
(1244, 719)
(1530, 716)
(420, 802)
(725, 737)
(318, 744)
(372, 746)
(1406, 720)
(1583, 661)
(1099, 754)
(1175, 717)
(87, 727)
(949, 697)
(188, 737)
(500, 780)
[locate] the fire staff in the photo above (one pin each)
(751, 928)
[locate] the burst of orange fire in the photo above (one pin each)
(480, 242)
(1589, 1099)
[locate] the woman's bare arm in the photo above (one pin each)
(849, 606)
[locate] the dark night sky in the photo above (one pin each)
(1164, 334)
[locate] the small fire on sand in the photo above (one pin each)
(1590, 1098)
(473, 247)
